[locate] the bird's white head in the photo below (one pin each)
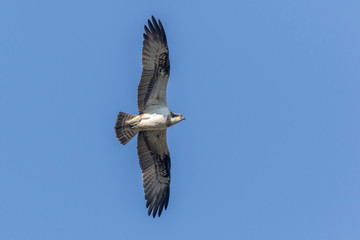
(176, 118)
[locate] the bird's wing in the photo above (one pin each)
(154, 159)
(156, 68)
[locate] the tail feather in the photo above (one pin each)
(125, 131)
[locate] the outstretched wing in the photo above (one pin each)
(156, 68)
(154, 159)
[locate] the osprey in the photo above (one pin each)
(153, 119)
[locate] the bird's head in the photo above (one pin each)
(176, 118)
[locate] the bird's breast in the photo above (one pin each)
(153, 121)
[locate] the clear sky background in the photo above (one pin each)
(270, 148)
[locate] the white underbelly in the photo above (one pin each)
(152, 121)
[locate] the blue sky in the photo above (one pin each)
(270, 148)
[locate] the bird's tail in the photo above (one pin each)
(125, 127)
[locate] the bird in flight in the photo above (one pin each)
(153, 120)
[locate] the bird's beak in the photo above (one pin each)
(183, 118)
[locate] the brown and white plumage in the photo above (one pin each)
(153, 119)
(155, 164)
(156, 68)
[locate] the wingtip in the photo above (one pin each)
(146, 29)
(154, 22)
(153, 18)
(155, 29)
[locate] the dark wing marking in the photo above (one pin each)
(156, 67)
(154, 159)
